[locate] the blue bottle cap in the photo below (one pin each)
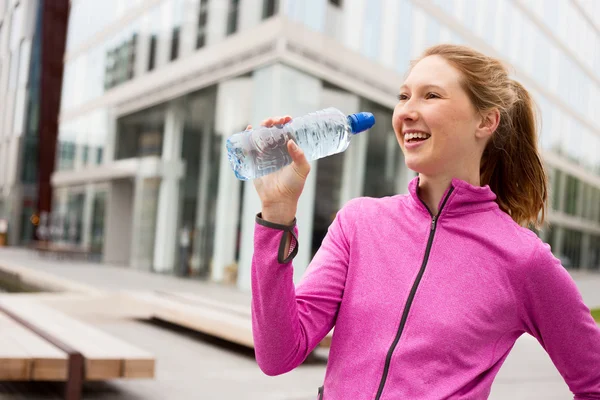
(361, 121)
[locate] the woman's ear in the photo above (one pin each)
(489, 123)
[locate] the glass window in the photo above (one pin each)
(175, 43)
(270, 8)
(120, 62)
(384, 156)
(594, 252)
(85, 155)
(66, 155)
(98, 213)
(232, 16)
(404, 33)
(202, 20)
(433, 32)
(372, 29)
(201, 151)
(571, 195)
(152, 52)
(176, 29)
(571, 251)
(470, 11)
(556, 188)
(141, 134)
(491, 16)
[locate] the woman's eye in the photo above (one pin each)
(402, 97)
(432, 95)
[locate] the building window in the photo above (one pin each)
(66, 155)
(556, 189)
(232, 16)
(120, 63)
(175, 43)
(99, 154)
(571, 251)
(572, 195)
(202, 19)
(337, 3)
(86, 155)
(269, 8)
(152, 53)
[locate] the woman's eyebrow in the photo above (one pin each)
(425, 87)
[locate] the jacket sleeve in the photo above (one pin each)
(288, 322)
(557, 317)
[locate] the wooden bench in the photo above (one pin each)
(57, 346)
(231, 322)
(62, 250)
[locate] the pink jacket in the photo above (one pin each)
(423, 308)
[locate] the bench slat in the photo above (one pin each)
(106, 357)
(15, 362)
(48, 362)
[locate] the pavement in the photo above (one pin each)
(191, 365)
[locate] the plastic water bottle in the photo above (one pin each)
(261, 151)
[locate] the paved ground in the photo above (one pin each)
(194, 366)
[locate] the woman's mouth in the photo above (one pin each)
(416, 137)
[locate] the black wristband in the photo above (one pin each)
(282, 258)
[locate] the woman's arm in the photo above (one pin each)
(289, 322)
(556, 315)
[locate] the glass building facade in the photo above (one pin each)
(153, 87)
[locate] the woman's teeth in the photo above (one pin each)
(414, 136)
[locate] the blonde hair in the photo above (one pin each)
(511, 163)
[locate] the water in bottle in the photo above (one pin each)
(261, 151)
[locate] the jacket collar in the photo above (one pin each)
(460, 198)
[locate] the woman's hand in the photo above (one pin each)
(280, 191)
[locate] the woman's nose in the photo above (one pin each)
(407, 112)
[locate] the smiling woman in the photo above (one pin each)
(457, 244)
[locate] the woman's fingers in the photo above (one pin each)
(276, 121)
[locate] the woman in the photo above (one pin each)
(428, 291)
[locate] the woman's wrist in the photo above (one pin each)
(281, 215)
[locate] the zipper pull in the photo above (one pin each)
(433, 220)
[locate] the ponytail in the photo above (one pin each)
(512, 166)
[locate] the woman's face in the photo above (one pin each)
(434, 107)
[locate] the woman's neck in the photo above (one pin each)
(432, 188)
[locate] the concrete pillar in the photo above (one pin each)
(250, 14)
(165, 34)
(88, 213)
(109, 155)
(217, 21)
(119, 212)
(232, 113)
(168, 197)
(280, 90)
(189, 27)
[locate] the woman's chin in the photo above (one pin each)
(417, 165)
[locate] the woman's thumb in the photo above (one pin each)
(301, 166)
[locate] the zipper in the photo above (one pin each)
(413, 291)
